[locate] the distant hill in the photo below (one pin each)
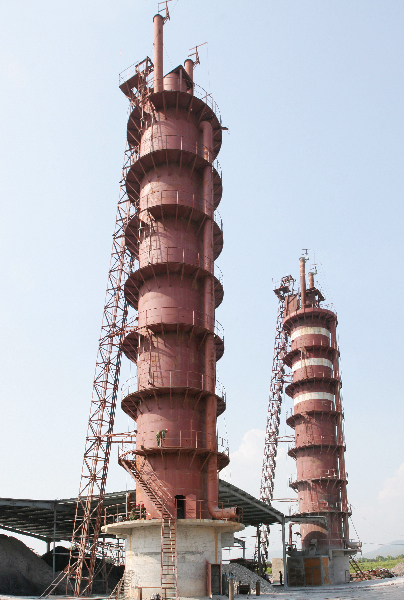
(392, 549)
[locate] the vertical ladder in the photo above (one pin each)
(168, 557)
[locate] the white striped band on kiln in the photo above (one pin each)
(313, 396)
(310, 331)
(315, 362)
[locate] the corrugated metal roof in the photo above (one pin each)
(36, 517)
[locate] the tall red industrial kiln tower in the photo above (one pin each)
(166, 239)
(317, 420)
(176, 185)
(317, 417)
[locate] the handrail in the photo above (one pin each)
(130, 386)
(130, 71)
(198, 91)
(179, 198)
(173, 141)
(133, 153)
(218, 219)
(154, 256)
(135, 512)
(173, 315)
(173, 439)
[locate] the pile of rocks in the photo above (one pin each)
(398, 569)
(243, 575)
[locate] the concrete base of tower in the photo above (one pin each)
(199, 543)
(312, 569)
(339, 567)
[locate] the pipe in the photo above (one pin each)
(311, 280)
(340, 434)
(302, 282)
(212, 484)
(290, 534)
(285, 572)
(189, 69)
(158, 22)
(207, 140)
(209, 349)
(259, 550)
(231, 587)
(212, 489)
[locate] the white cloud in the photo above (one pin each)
(246, 462)
(393, 488)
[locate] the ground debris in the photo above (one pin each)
(398, 569)
(245, 576)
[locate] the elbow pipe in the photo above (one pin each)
(222, 513)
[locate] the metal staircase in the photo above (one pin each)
(146, 477)
(358, 571)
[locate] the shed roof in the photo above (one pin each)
(36, 518)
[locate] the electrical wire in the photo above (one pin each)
(165, 50)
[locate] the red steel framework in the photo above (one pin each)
(86, 545)
(317, 417)
(99, 437)
(274, 407)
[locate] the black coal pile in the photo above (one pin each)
(102, 570)
(61, 558)
(22, 572)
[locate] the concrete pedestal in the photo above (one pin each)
(314, 569)
(340, 567)
(199, 541)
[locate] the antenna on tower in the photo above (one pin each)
(196, 54)
(160, 9)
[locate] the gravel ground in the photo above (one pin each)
(246, 576)
(383, 589)
(378, 589)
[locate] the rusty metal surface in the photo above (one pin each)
(317, 418)
(175, 185)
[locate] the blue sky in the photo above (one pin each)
(311, 92)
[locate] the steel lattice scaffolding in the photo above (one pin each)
(274, 408)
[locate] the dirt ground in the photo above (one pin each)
(384, 589)
(378, 589)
